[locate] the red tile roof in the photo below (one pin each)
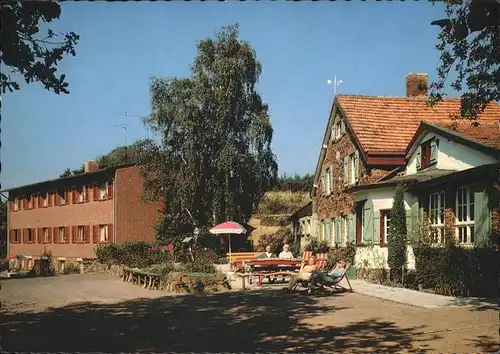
(488, 134)
(388, 123)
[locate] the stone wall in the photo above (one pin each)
(338, 202)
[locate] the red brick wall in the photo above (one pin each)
(329, 206)
(416, 85)
(134, 217)
(89, 213)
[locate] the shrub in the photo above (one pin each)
(71, 269)
(457, 271)
(317, 246)
(396, 238)
(108, 253)
(131, 254)
(276, 241)
(203, 262)
(337, 254)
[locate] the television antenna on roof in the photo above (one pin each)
(335, 83)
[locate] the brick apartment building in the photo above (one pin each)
(70, 216)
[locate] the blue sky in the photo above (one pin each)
(370, 46)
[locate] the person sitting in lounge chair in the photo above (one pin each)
(305, 272)
(332, 277)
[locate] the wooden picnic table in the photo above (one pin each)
(272, 267)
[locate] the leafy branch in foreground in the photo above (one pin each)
(470, 46)
(27, 54)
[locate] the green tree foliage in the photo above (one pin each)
(25, 52)
(470, 45)
(396, 238)
(214, 160)
(296, 183)
(123, 155)
(69, 172)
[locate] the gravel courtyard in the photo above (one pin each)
(95, 312)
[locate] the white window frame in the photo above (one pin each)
(62, 234)
(103, 190)
(328, 180)
(80, 234)
(103, 233)
(351, 172)
(81, 193)
(468, 215)
(31, 203)
(387, 223)
(437, 225)
(46, 199)
(45, 235)
(16, 203)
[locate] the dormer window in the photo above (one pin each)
(427, 154)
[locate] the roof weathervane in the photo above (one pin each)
(335, 83)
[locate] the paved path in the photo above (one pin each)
(99, 313)
(399, 295)
(413, 297)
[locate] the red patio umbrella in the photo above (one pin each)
(228, 228)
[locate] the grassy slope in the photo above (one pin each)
(276, 203)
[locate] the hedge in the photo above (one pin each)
(143, 255)
(458, 271)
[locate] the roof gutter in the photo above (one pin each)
(363, 187)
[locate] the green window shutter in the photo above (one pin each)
(434, 150)
(337, 229)
(356, 166)
(418, 157)
(368, 220)
(482, 218)
(346, 170)
(351, 229)
(376, 227)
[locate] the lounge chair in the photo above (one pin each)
(319, 284)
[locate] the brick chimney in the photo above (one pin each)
(416, 84)
(90, 166)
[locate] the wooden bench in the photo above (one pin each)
(238, 258)
(145, 279)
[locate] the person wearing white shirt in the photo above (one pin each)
(285, 254)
